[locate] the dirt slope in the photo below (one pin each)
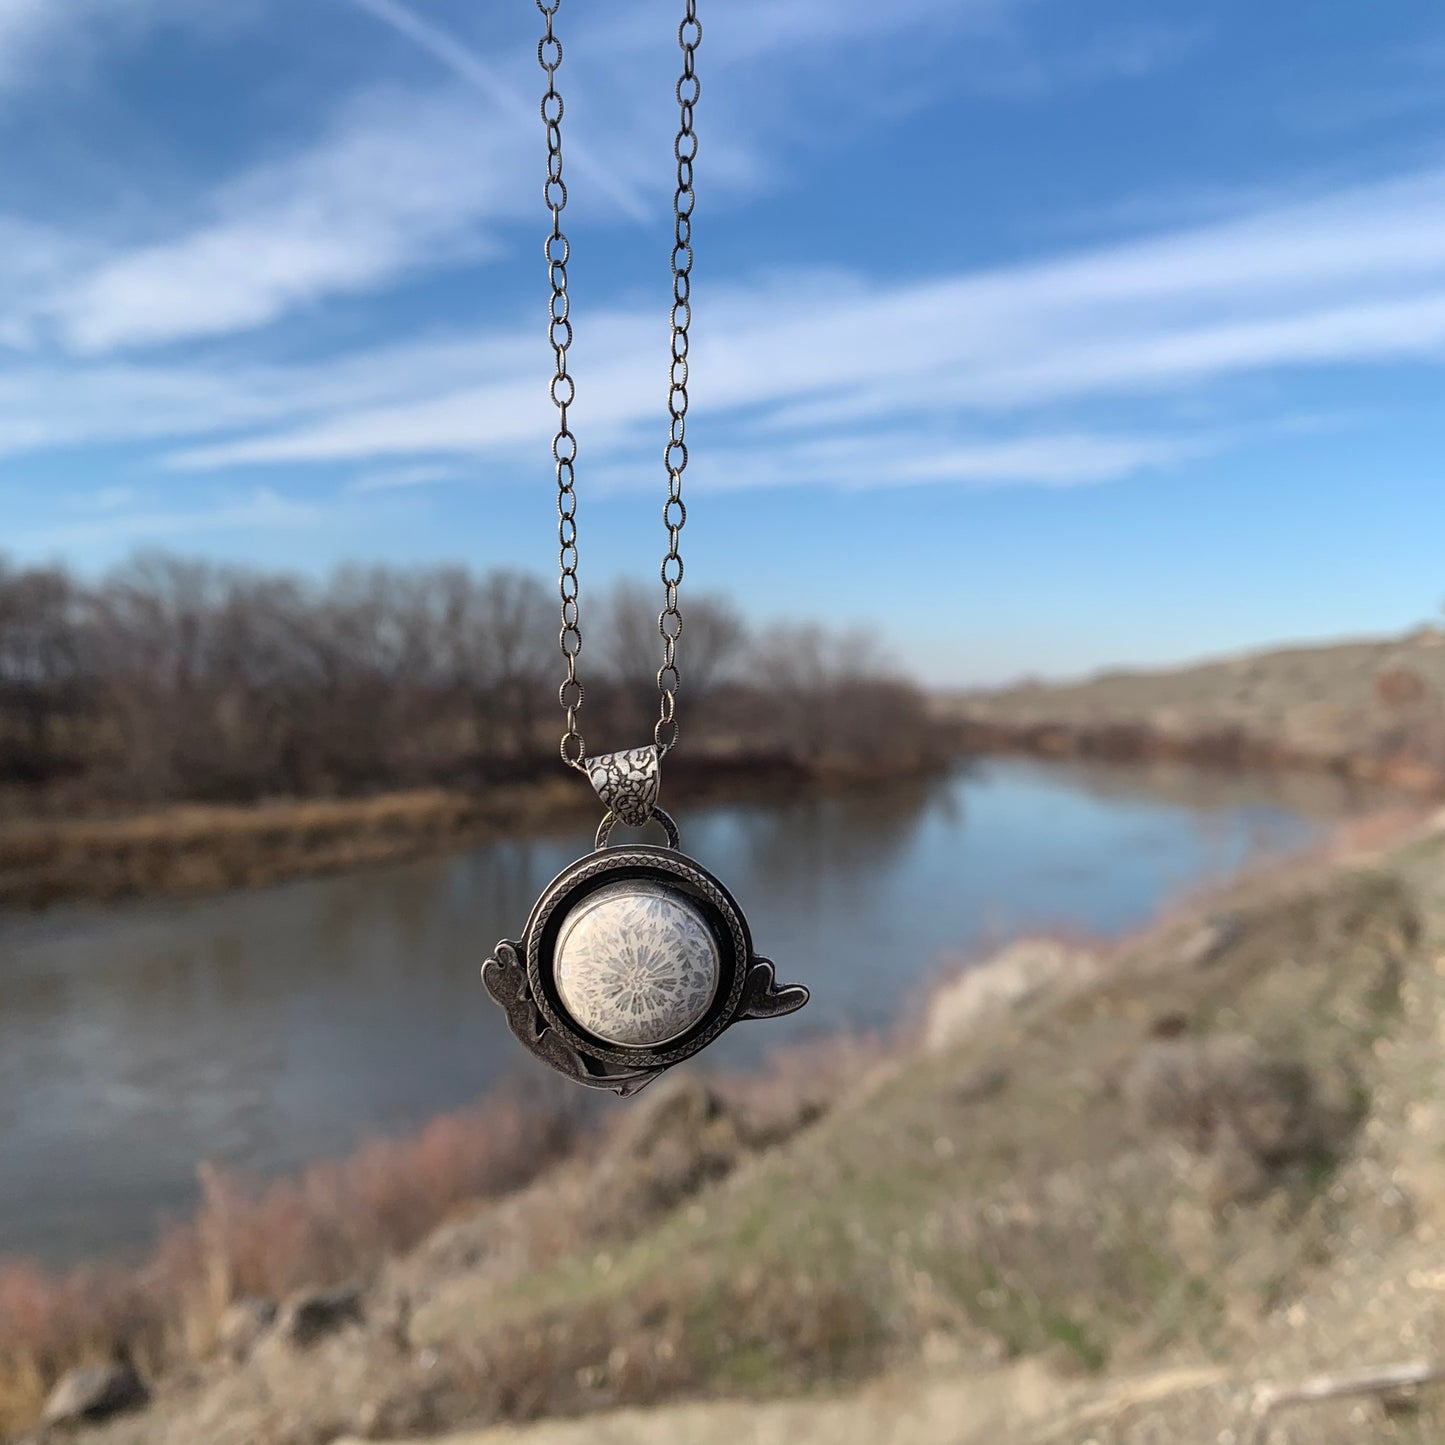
(1375, 708)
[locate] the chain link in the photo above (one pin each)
(563, 390)
(674, 456)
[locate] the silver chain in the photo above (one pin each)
(563, 389)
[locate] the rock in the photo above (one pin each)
(680, 1136)
(1230, 1102)
(942, 1350)
(1232, 1171)
(1211, 941)
(311, 1314)
(1274, 1109)
(242, 1324)
(983, 1083)
(1170, 1026)
(766, 1123)
(94, 1392)
(1004, 985)
(673, 1110)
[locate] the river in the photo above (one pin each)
(265, 1029)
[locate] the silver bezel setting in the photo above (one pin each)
(662, 868)
(521, 974)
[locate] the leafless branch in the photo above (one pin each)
(1378, 1380)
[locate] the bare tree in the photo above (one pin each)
(502, 656)
(827, 696)
(151, 640)
(630, 646)
(44, 688)
(716, 639)
(175, 678)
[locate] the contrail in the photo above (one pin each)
(476, 72)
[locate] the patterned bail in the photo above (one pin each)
(627, 782)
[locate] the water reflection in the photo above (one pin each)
(806, 845)
(271, 1027)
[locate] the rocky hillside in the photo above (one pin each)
(1375, 709)
(1125, 1196)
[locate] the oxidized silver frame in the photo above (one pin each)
(520, 974)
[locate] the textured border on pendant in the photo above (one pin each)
(673, 870)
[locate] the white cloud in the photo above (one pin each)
(40, 37)
(904, 458)
(516, 105)
(104, 499)
(29, 28)
(1144, 49)
(400, 179)
(1355, 277)
(413, 177)
(38, 261)
(744, 31)
(46, 405)
(261, 510)
(1349, 279)
(421, 474)
(405, 178)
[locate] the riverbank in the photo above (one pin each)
(1121, 1191)
(188, 848)
(266, 1028)
(1373, 711)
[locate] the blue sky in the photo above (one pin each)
(1042, 336)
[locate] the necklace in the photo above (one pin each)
(634, 957)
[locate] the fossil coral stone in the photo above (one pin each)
(636, 965)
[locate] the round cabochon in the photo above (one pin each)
(636, 964)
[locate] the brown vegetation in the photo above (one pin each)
(200, 847)
(1368, 710)
(334, 1223)
(1248, 1115)
(180, 726)
(182, 680)
(210, 1285)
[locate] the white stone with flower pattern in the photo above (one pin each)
(636, 965)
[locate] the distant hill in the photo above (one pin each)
(1373, 708)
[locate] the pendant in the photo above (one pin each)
(635, 957)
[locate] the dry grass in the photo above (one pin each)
(339, 1220)
(1001, 1193)
(335, 1222)
(730, 1335)
(189, 848)
(798, 1084)
(200, 848)
(1370, 710)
